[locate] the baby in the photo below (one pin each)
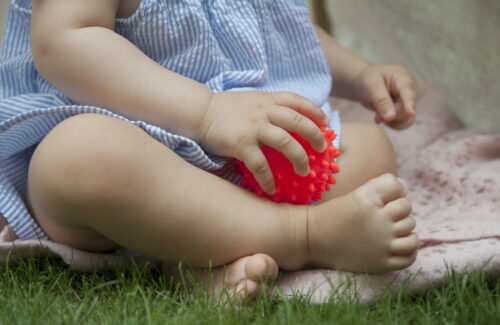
(117, 117)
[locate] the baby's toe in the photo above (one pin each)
(404, 246)
(404, 227)
(247, 276)
(260, 270)
(398, 209)
(403, 184)
(401, 262)
(261, 267)
(388, 187)
(246, 289)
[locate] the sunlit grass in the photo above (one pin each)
(45, 291)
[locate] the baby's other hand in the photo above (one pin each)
(389, 90)
(238, 124)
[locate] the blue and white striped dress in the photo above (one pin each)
(228, 45)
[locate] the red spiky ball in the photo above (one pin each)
(290, 187)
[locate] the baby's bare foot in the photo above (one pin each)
(243, 278)
(246, 276)
(368, 230)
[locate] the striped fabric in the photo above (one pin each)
(228, 45)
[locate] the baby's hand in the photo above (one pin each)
(238, 124)
(389, 90)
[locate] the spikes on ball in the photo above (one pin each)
(290, 187)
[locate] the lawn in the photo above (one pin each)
(45, 291)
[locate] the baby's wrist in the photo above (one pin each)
(204, 119)
(358, 80)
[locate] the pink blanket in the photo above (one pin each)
(453, 176)
(454, 181)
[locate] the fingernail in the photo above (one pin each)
(304, 174)
(322, 147)
(389, 115)
(269, 190)
(326, 120)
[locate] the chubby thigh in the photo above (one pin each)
(97, 183)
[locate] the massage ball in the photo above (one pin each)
(290, 187)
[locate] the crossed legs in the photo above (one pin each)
(97, 183)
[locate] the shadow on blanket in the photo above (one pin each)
(454, 181)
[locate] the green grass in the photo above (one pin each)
(44, 291)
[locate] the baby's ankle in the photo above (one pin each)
(298, 257)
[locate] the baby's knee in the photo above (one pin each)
(372, 144)
(83, 157)
(382, 150)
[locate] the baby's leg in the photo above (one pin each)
(96, 183)
(367, 153)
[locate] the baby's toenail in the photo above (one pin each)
(403, 184)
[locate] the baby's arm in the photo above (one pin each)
(344, 65)
(76, 49)
(389, 90)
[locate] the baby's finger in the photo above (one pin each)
(280, 140)
(378, 118)
(401, 124)
(302, 105)
(257, 163)
(408, 97)
(382, 101)
(292, 121)
(402, 120)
